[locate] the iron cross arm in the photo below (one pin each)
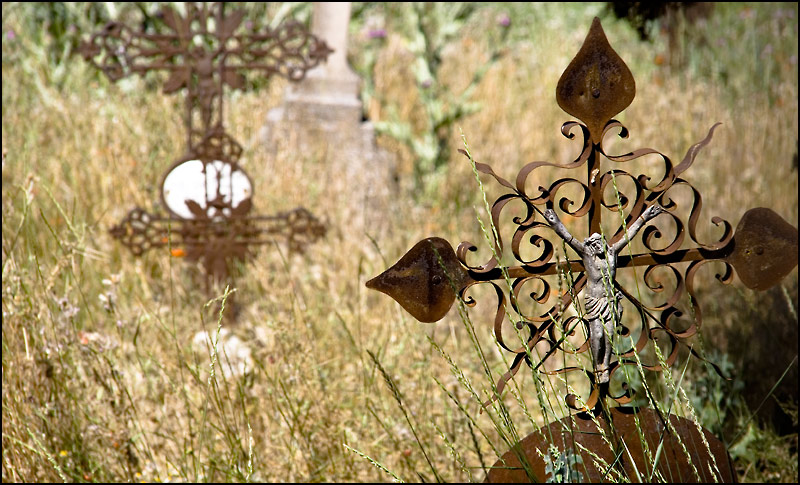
(213, 238)
(205, 42)
(427, 279)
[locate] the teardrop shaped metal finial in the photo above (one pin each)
(420, 283)
(765, 248)
(597, 84)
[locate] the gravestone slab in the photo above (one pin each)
(322, 117)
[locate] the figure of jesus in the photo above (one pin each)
(602, 299)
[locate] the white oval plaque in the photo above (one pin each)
(188, 182)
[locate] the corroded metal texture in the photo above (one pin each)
(597, 84)
(765, 248)
(425, 280)
(584, 448)
(762, 250)
(205, 51)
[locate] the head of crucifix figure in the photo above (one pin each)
(595, 244)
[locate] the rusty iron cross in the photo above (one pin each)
(596, 86)
(206, 192)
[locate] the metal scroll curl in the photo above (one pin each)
(542, 326)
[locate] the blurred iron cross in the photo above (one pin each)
(207, 194)
(596, 86)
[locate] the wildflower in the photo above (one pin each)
(84, 338)
(503, 20)
(177, 252)
(11, 35)
(63, 453)
(109, 300)
(98, 341)
(426, 83)
(376, 34)
(68, 310)
(112, 280)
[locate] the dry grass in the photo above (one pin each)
(101, 377)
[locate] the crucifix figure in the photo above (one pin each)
(603, 311)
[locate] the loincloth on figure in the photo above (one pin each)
(601, 309)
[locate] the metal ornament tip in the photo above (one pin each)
(597, 85)
(422, 281)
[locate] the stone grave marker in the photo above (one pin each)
(323, 114)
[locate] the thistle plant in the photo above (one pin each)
(427, 30)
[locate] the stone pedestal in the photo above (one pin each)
(321, 116)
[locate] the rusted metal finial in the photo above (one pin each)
(425, 280)
(597, 85)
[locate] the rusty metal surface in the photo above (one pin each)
(683, 457)
(762, 250)
(597, 84)
(425, 280)
(765, 248)
(204, 52)
(216, 240)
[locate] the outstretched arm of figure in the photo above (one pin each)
(648, 214)
(561, 230)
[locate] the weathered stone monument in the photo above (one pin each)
(322, 116)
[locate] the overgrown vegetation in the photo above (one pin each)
(117, 368)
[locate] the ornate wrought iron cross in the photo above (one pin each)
(596, 86)
(207, 194)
